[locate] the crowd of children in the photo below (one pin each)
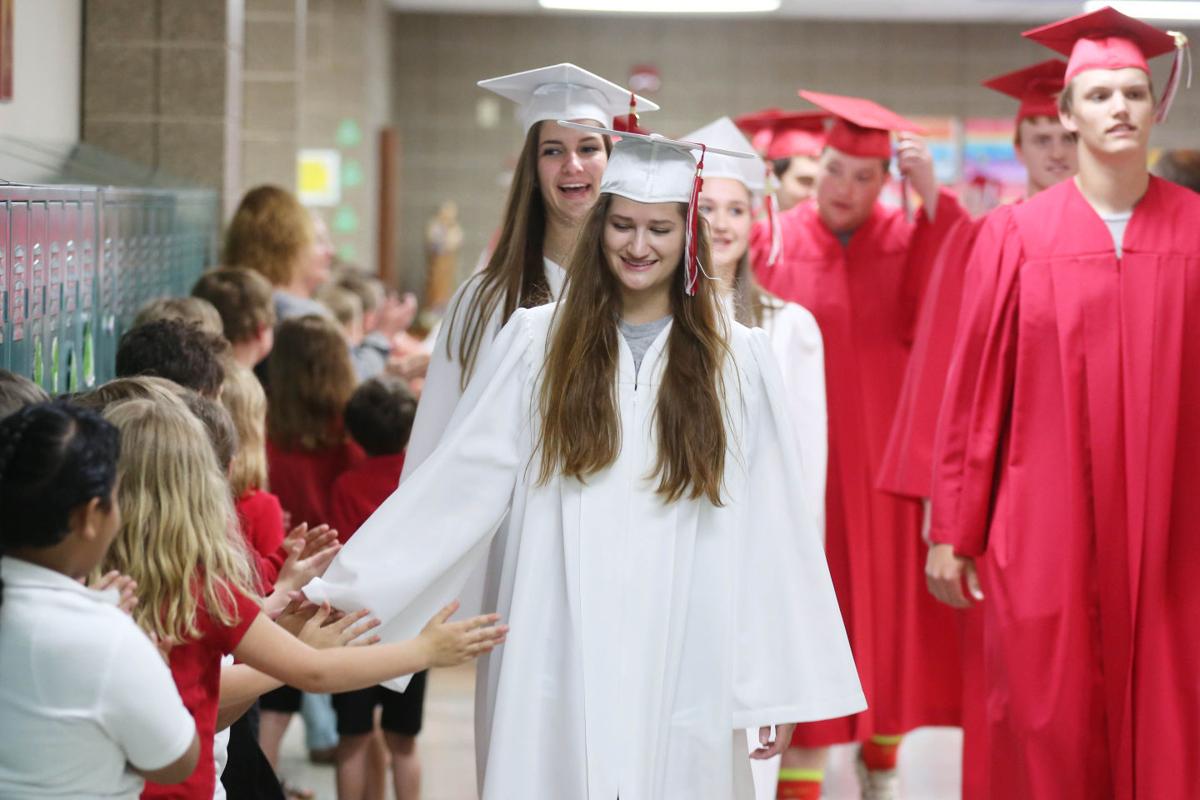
(157, 528)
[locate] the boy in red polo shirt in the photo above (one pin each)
(379, 416)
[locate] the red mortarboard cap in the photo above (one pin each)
(781, 134)
(1103, 39)
(861, 127)
(1037, 87)
(1108, 39)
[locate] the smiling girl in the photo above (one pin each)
(656, 546)
(554, 186)
(732, 188)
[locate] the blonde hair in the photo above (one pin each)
(246, 403)
(345, 305)
(179, 538)
(192, 310)
(269, 234)
(136, 387)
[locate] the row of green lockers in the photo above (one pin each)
(77, 262)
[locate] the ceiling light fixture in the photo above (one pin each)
(663, 6)
(1176, 10)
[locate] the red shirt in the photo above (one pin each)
(303, 479)
(196, 668)
(361, 489)
(261, 517)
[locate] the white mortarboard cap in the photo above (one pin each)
(723, 133)
(564, 91)
(649, 168)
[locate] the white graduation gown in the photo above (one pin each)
(800, 352)
(645, 637)
(443, 390)
(798, 348)
(443, 381)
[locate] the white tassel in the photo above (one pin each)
(691, 257)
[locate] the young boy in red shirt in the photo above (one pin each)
(379, 417)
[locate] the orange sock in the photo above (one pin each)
(799, 784)
(880, 752)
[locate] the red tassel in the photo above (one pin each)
(1182, 52)
(691, 245)
(633, 117)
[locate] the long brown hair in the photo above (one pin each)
(310, 378)
(515, 275)
(581, 429)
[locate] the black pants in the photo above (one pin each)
(248, 774)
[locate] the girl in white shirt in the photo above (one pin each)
(87, 705)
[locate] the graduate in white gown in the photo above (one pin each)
(657, 548)
(554, 186)
(732, 187)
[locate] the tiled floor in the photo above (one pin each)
(929, 759)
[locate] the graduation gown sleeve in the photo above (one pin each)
(907, 462)
(792, 661)
(796, 343)
(443, 381)
(978, 396)
(415, 553)
(928, 236)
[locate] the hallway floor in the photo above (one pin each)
(929, 759)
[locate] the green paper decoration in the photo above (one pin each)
(345, 220)
(349, 134)
(352, 174)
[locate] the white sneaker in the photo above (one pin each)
(877, 784)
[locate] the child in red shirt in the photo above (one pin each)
(259, 511)
(307, 449)
(195, 585)
(379, 416)
(309, 377)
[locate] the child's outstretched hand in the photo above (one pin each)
(323, 633)
(449, 643)
(308, 557)
(125, 586)
(314, 539)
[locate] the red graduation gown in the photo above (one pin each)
(1068, 450)
(907, 468)
(864, 297)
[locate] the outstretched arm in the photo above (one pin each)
(415, 553)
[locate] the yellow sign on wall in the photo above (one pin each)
(318, 177)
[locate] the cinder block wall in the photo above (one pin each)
(708, 68)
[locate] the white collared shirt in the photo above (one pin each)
(84, 695)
